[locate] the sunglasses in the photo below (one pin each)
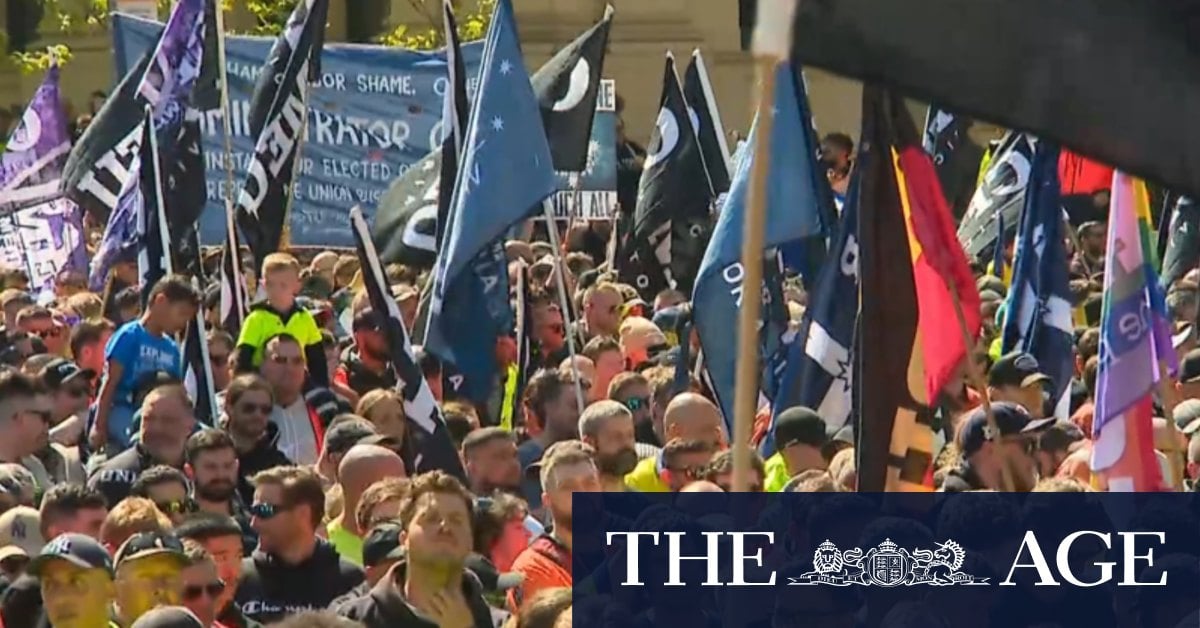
(637, 403)
(286, 361)
(260, 408)
(263, 510)
(212, 589)
(53, 332)
(178, 507)
(691, 473)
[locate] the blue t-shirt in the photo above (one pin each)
(141, 354)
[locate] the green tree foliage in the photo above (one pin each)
(75, 17)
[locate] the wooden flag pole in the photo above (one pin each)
(772, 41)
(976, 379)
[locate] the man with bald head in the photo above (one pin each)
(689, 417)
(361, 467)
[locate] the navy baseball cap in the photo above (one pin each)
(1016, 369)
(78, 549)
(382, 543)
(1010, 419)
(145, 544)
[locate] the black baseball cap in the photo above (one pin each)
(1010, 419)
(492, 580)
(799, 425)
(60, 371)
(344, 434)
(168, 617)
(1189, 367)
(1016, 369)
(78, 549)
(145, 544)
(382, 543)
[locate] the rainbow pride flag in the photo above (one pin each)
(1135, 345)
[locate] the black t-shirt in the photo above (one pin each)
(21, 604)
(270, 590)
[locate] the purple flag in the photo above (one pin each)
(175, 66)
(31, 166)
(40, 230)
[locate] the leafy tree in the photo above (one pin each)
(73, 17)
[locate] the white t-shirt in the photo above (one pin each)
(296, 438)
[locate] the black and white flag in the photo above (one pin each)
(706, 122)
(670, 227)
(154, 243)
(1002, 191)
(406, 218)
(278, 111)
(456, 109)
(198, 377)
(234, 301)
(185, 194)
(954, 155)
(1183, 242)
(566, 88)
(434, 448)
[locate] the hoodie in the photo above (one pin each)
(265, 455)
(270, 589)
(385, 606)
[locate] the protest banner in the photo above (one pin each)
(597, 194)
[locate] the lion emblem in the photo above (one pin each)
(827, 558)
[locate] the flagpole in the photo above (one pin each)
(160, 214)
(976, 378)
(226, 117)
(560, 270)
(772, 39)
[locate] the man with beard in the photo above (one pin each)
(248, 404)
(490, 455)
(567, 467)
(362, 466)
(608, 427)
(292, 570)
(431, 586)
(986, 456)
(212, 467)
(364, 366)
(552, 413)
(167, 421)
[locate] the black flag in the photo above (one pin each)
(234, 302)
(456, 108)
(198, 377)
(278, 112)
(566, 88)
(1078, 73)
(954, 155)
(185, 193)
(434, 449)
(1183, 243)
(154, 243)
(406, 218)
(1002, 191)
(671, 224)
(706, 121)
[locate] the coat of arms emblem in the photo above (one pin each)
(888, 565)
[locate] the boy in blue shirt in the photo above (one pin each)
(140, 349)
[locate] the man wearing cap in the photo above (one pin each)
(70, 389)
(149, 568)
(800, 442)
(76, 576)
(364, 366)
(20, 539)
(1188, 383)
(1016, 377)
(988, 451)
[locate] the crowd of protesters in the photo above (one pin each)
(296, 506)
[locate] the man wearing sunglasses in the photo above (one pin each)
(168, 489)
(70, 389)
(39, 321)
(221, 538)
(202, 588)
(689, 416)
(249, 401)
(292, 570)
(986, 453)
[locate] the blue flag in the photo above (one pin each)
(1038, 309)
(505, 172)
(819, 368)
(807, 256)
(792, 214)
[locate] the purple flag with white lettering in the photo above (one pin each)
(175, 67)
(40, 230)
